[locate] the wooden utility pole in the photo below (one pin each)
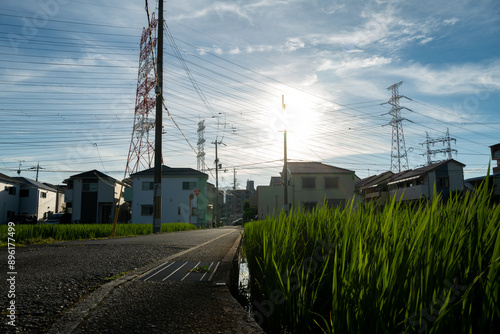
(158, 125)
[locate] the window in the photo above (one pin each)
(331, 182)
(443, 182)
(194, 211)
(146, 210)
(90, 187)
(188, 185)
(11, 190)
(308, 183)
(309, 206)
(43, 195)
(148, 185)
(24, 193)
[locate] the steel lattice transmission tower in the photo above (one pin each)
(201, 146)
(142, 145)
(446, 140)
(399, 155)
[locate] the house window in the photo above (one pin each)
(443, 182)
(331, 182)
(148, 185)
(146, 210)
(188, 185)
(90, 187)
(309, 206)
(308, 183)
(24, 193)
(194, 211)
(12, 190)
(43, 195)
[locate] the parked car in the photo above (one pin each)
(59, 218)
(238, 221)
(24, 219)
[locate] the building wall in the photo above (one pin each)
(270, 200)
(175, 201)
(9, 201)
(344, 191)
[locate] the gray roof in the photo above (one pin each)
(374, 180)
(414, 173)
(34, 184)
(91, 174)
(315, 168)
(169, 171)
(9, 179)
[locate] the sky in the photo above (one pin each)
(69, 72)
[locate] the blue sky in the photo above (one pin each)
(69, 74)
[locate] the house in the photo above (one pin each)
(91, 197)
(447, 176)
(374, 188)
(183, 194)
(309, 185)
(9, 198)
(39, 199)
(494, 178)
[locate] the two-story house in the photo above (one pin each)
(39, 199)
(416, 184)
(9, 198)
(310, 184)
(183, 194)
(91, 197)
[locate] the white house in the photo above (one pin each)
(9, 198)
(310, 184)
(447, 176)
(39, 199)
(91, 197)
(183, 194)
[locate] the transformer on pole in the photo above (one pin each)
(142, 145)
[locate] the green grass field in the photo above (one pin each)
(29, 234)
(428, 269)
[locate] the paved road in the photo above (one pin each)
(56, 281)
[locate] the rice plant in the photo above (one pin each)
(427, 269)
(27, 234)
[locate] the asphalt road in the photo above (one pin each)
(56, 280)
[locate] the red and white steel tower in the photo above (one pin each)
(142, 145)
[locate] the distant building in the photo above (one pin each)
(310, 184)
(235, 200)
(91, 197)
(183, 194)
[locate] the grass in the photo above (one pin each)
(428, 269)
(30, 234)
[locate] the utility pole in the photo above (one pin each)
(37, 170)
(285, 166)
(158, 125)
(216, 206)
